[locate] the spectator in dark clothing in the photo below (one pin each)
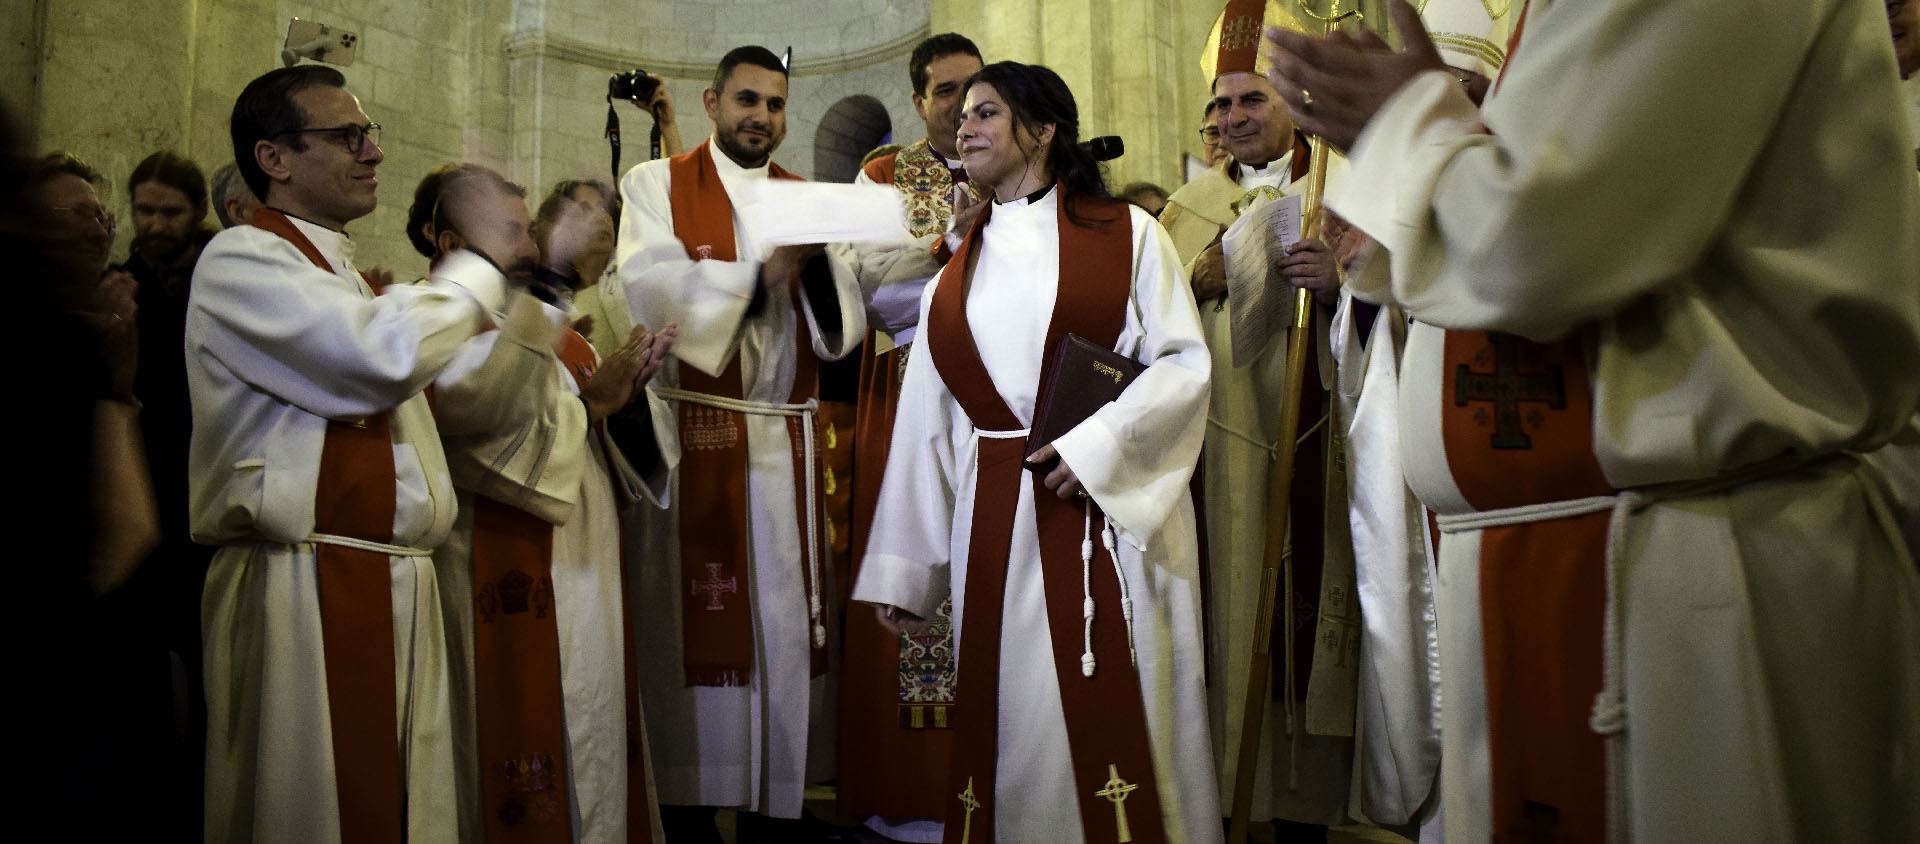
(160, 606)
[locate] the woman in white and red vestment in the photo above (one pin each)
(1082, 710)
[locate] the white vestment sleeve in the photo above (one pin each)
(512, 429)
(892, 274)
(907, 562)
(1136, 455)
(290, 329)
(1467, 214)
(661, 286)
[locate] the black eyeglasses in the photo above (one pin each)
(355, 136)
(1211, 133)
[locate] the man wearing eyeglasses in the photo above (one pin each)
(1211, 150)
(1268, 159)
(317, 467)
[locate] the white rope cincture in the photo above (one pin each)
(805, 411)
(1109, 540)
(1243, 436)
(368, 545)
(1608, 717)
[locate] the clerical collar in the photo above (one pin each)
(1029, 199)
(1277, 173)
(292, 216)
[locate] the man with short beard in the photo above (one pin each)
(542, 454)
(169, 198)
(730, 600)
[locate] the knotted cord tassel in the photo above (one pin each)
(1086, 590)
(1111, 539)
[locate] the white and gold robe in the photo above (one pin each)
(1243, 416)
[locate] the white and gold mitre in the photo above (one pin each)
(1471, 34)
(1234, 44)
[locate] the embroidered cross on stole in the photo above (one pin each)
(713, 465)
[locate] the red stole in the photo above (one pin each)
(1517, 423)
(354, 497)
(715, 623)
(520, 708)
(1106, 722)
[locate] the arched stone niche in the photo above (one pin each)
(848, 131)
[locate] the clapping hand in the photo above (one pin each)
(1334, 86)
(624, 373)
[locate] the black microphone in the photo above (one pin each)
(1104, 148)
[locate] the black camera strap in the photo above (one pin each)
(613, 138)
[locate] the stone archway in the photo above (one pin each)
(850, 129)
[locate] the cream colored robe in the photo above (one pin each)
(275, 348)
(1397, 756)
(1310, 784)
(516, 431)
(1134, 456)
(754, 747)
(1741, 246)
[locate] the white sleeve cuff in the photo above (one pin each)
(477, 276)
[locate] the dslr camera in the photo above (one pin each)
(635, 86)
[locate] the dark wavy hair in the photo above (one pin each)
(175, 171)
(938, 47)
(265, 110)
(1035, 95)
(426, 198)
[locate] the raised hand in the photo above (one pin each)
(1334, 86)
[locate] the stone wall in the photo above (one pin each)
(521, 84)
(515, 84)
(1133, 67)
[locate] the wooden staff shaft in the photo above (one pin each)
(1277, 559)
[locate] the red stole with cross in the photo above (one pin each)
(1517, 423)
(716, 625)
(1106, 721)
(354, 497)
(520, 708)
